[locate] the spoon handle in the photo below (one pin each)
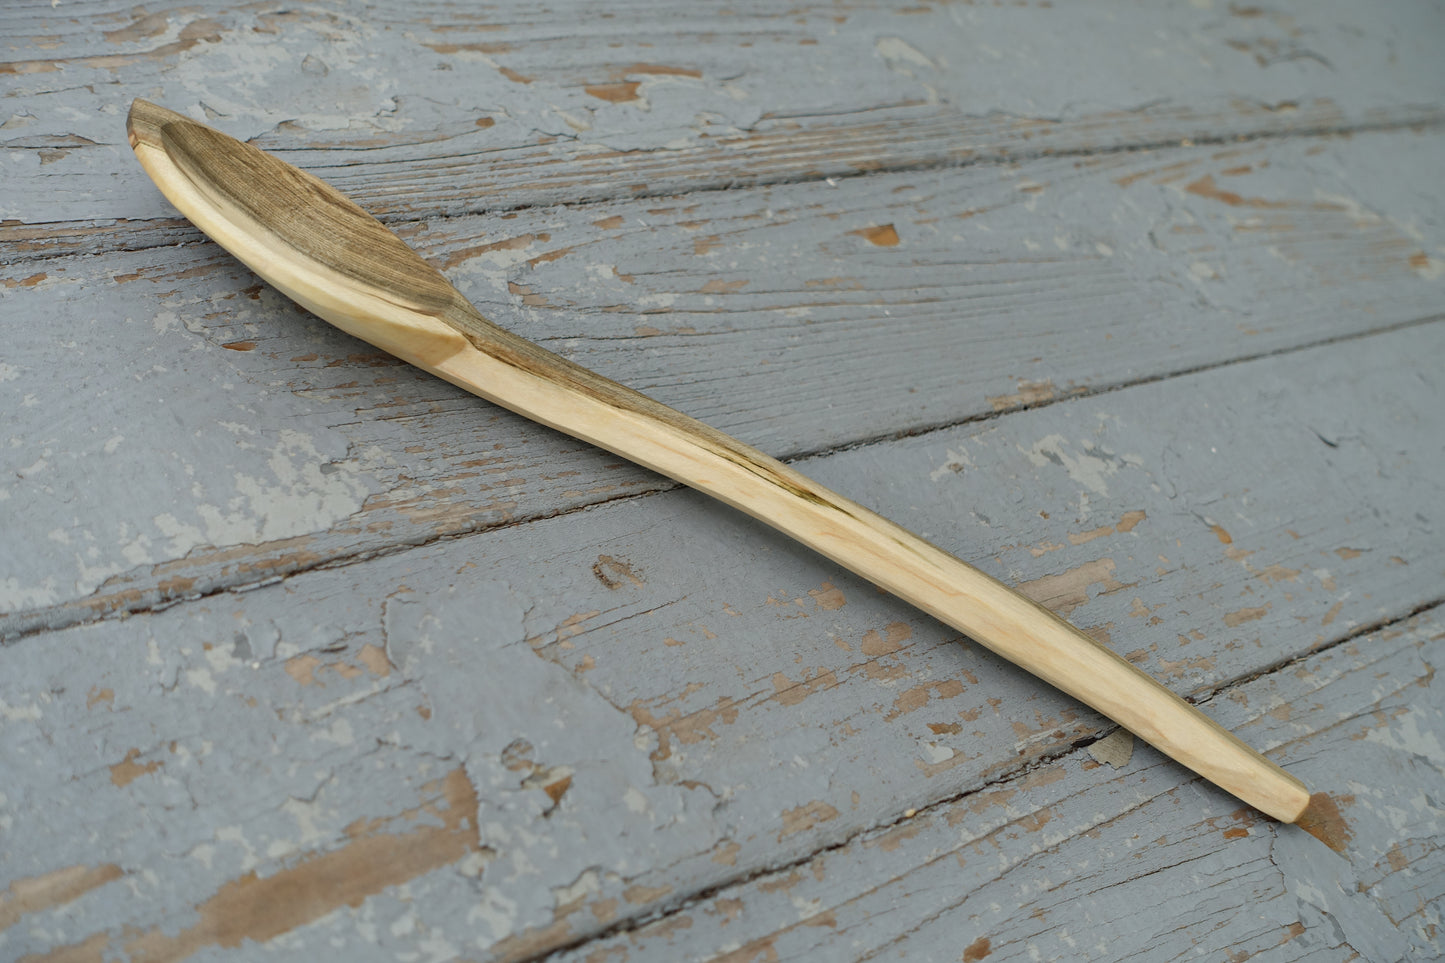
(519, 375)
(318, 247)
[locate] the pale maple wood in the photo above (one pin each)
(332, 257)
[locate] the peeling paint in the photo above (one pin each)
(258, 908)
(881, 236)
(127, 771)
(1241, 616)
(1115, 749)
(1088, 465)
(804, 818)
(55, 888)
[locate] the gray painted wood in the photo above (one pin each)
(1008, 286)
(310, 656)
(568, 102)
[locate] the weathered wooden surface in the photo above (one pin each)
(308, 655)
(583, 102)
(1007, 287)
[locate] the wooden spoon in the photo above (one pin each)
(314, 244)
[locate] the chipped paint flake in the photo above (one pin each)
(1089, 465)
(896, 50)
(1115, 749)
(56, 888)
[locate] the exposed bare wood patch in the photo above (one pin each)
(259, 908)
(804, 818)
(54, 888)
(1029, 393)
(1068, 590)
(1324, 821)
(618, 93)
(1240, 616)
(884, 235)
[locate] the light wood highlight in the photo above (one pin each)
(335, 259)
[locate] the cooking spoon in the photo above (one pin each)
(313, 243)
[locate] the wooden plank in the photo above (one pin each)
(1078, 860)
(655, 698)
(445, 108)
(1007, 287)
